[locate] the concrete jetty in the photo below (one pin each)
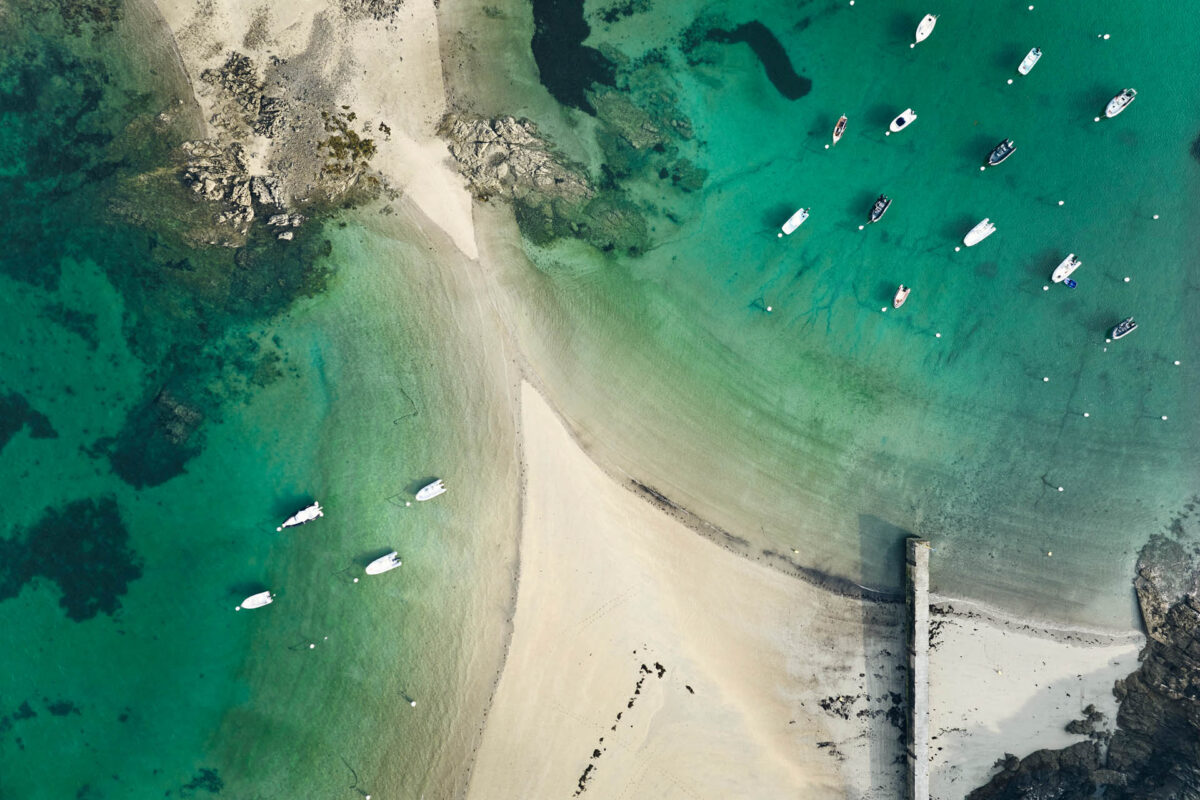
(917, 570)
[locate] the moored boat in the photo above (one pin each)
(384, 563)
(924, 28)
(903, 121)
(1030, 60)
(981, 231)
(1123, 328)
(839, 129)
(881, 206)
(795, 221)
(1120, 102)
(432, 490)
(901, 296)
(257, 600)
(302, 516)
(1064, 270)
(1001, 152)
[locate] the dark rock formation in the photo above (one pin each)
(156, 441)
(220, 173)
(507, 158)
(1155, 751)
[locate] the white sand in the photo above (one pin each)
(997, 686)
(609, 583)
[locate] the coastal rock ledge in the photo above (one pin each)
(1155, 751)
(507, 158)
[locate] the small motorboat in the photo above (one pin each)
(384, 563)
(1123, 328)
(903, 121)
(901, 296)
(839, 129)
(984, 229)
(1030, 60)
(1001, 152)
(302, 516)
(795, 221)
(880, 207)
(1064, 270)
(431, 490)
(924, 28)
(1120, 102)
(257, 601)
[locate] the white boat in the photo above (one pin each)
(1064, 270)
(901, 122)
(980, 232)
(1120, 102)
(839, 129)
(795, 221)
(925, 28)
(384, 563)
(901, 296)
(432, 490)
(302, 516)
(1030, 60)
(257, 600)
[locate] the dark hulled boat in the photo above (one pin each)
(1001, 152)
(1123, 328)
(877, 210)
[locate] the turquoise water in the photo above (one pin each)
(823, 431)
(166, 405)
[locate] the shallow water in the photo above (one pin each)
(826, 429)
(165, 407)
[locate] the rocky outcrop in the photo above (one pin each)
(219, 173)
(507, 158)
(1155, 751)
(275, 144)
(552, 198)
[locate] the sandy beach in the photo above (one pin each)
(648, 661)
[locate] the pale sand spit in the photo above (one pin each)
(646, 661)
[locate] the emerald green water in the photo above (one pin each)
(815, 434)
(821, 432)
(165, 406)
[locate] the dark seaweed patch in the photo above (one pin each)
(769, 50)
(80, 323)
(16, 413)
(207, 779)
(61, 708)
(84, 548)
(565, 66)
